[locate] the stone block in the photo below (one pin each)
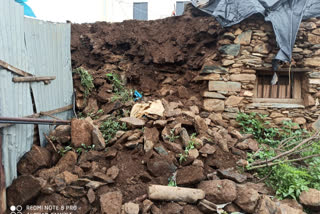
(233, 101)
(243, 77)
(262, 48)
(244, 38)
(224, 86)
(213, 105)
(314, 62)
(213, 95)
(232, 50)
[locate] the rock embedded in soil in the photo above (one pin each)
(111, 203)
(62, 134)
(159, 166)
(232, 174)
(189, 209)
(66, 163)
(131, 208)
(208, 149)
(200, 125)
(97, 139)
(33, 160)
(310, 198)
(172, 208)
(190, 175)
(184, 137)
(23, 190)
(167, 193)
(207, 206)
(91, 196)
(266, 206)
(219, 191)
(81, 133)
(151, 137)
(133, 122)
(113, 172)
(247, 198)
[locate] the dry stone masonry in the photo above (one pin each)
(249, 48)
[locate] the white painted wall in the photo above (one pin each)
(120, 10)
(76, 11)
(87, 11)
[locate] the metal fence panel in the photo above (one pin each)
(40, 48)
(15, 98)
(48, 48)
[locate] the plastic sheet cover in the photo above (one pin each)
(285, 16)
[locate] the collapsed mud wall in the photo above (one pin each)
(188, 51)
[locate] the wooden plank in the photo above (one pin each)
(32, 79)
(296, 70)
(259, 87)
(274, 91)
(271, 100)
(266, 88)
(3, 201)
(37, 115)
(14, 69)
(296, 93)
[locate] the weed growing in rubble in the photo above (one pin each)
(86, 80)
(120, 92)
(172, 137)
(84, 148)
(110, 127)
(172, 182)
(64, 150)
(190, 146)
(285, 175)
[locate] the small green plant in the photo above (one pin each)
(110, 127)
(64, 150)
(172, 137)
(288, 159)
(96, 115)
(182, 157)
(172, 181)
(120, 92)
(84, 148)
(190, 146)
(86, 80)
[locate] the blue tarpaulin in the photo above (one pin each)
(27, 10)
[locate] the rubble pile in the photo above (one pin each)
(128, 156)
(131, 174)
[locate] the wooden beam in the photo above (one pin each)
(32, 79)
(37, 115)
(297, 70)
(14, 69)
(3, 201)
(277, 100)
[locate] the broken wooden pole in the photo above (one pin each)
(168, 193)
(32, 79)
(14, 69)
